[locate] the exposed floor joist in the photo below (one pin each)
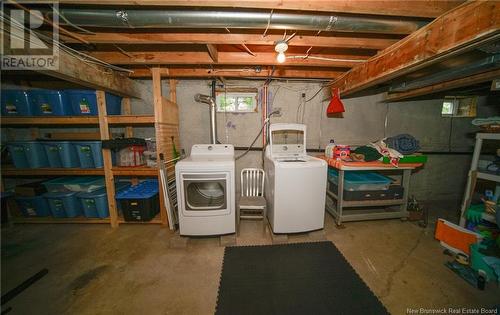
(72, 69)
(472, 24)
(444, 86)
(418, 8)
(238, 73)
(232, 39)
(224, 58)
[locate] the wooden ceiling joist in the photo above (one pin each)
(464, 28)
(75, 70)
(444, 86)
(232, 39)
(419, 8)
(224, 58)
(237, 73)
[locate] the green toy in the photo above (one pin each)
(475, 213)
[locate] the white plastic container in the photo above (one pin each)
(329, 149)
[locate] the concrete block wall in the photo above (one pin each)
(366, 119)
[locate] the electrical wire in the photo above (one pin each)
(79, 55)
(257, 137)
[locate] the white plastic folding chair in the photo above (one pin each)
(252, 204)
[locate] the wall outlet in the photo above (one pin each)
(277, 114)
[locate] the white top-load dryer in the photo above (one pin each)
(206, 190)
(295, 181)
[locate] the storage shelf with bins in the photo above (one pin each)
(164, 120)
(475, 174)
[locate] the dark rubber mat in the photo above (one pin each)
(302, 278)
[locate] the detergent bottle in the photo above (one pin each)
(330, 147)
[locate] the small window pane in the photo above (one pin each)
(236, 102)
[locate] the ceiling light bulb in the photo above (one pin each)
(281, 57)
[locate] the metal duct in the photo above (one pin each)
(235, 19)
(200, 98)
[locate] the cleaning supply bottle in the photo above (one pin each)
(329, 149)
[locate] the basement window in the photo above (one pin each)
(236, 102)
(459, 106)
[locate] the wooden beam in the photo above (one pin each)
(238, 73)
(225, 58)
(90, 75)
(232, 39)
(420, 8)
(212, 51)
(106, 156)
(172, 87)
(468, 26)
(160, 147)
(444, 86)
(127, 110)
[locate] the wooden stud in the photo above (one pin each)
(173, 90)
(160, 149)
(127, 110)
(472, 24)
(106, 154)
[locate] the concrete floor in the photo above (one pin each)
(131, 270)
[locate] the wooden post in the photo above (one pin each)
(173, 90)
(106, 154)
(127, 110)
(158, 110)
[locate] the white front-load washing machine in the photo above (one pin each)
(206, 190)
(295, 181)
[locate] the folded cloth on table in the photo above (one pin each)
(403, 143)
(369, 153)
(494, 120)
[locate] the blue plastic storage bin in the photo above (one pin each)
(16, 103)
(63, 204)
(77, 183)
(89, 154)
(61, 154)
(50, 103)
(140, 202)
(36, 206)
(84, 102)
(95, 204)
(28, 154)
(360, 180)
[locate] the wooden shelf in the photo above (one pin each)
(134, 171)
(43, 121)
(131, 120)
(8, 171)
(51, 220)
(77, 120)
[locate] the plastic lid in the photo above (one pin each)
(59, 194)
(143, 190)
(102, 192)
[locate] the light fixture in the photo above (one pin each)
(280, 47)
